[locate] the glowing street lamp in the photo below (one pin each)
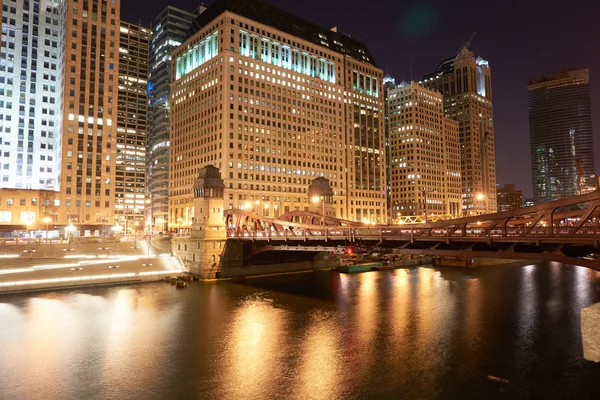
(316, 199)
(70, 229)
(480, 196)
(136, 225)
(46, 220)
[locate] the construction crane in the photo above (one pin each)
(467, 43)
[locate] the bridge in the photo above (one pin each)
(566, 231)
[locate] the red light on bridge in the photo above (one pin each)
(349, 251)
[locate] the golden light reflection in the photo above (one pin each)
(130, 341)
(366, 321)
(471, 327)
(320, 365)
(52, 330)
(254, 352)
(400, 306)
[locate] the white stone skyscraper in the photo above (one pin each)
(465, 81)
(29, 94)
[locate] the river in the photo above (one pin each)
(422, 333)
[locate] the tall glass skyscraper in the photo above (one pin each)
(560, 130)
(170, 30)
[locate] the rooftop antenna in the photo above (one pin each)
(411, 68)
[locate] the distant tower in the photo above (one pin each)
(560, 133)
(465, 81)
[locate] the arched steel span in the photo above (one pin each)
(566, 230)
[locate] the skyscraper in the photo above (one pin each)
(90, 65)
(170, 30)
(29, 89)
(424, 153)
(388, 84)
(130, 172)
(560, 133)
(465, 82)
(275, 101)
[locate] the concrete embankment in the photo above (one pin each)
(85, 281)
(52, 266)
(472, 262)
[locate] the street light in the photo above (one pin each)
(179, 225)
(424, 193)
(70, 229)
(117, 228)
(46, 220)
(136, 224)
(480, 197)
(316, 199)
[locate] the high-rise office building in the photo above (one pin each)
(171, 28)
(90, 64)
(560, 133)
(424, 153)
(509, 198)
(29, 88)
(130, 172)
(465, 82)
(388, 84)
(275, 101)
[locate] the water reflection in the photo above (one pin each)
(255, 349)
(408, 333)
(320, 364)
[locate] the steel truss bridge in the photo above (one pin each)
(566, 231)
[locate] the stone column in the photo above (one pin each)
(590, 332)
(202, 251)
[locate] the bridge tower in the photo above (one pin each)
(201, 251)
(320, 197)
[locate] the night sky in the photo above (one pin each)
(520, 39)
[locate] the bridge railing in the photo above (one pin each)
(398, 233)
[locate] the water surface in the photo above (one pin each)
(420, 333)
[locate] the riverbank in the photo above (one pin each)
(43, 266)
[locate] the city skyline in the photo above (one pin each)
(429, 33)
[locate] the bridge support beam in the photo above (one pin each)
(590, 332)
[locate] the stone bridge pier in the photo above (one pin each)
(201, 251)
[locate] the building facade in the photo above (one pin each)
(465, 82)
(29, 92)
(27, 209)
(170, 30)
(274, 102)
(560, 133)
(89, 75)
(130, 171)
(509, 198)
(424, 153)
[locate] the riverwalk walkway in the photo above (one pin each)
(41, 266)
